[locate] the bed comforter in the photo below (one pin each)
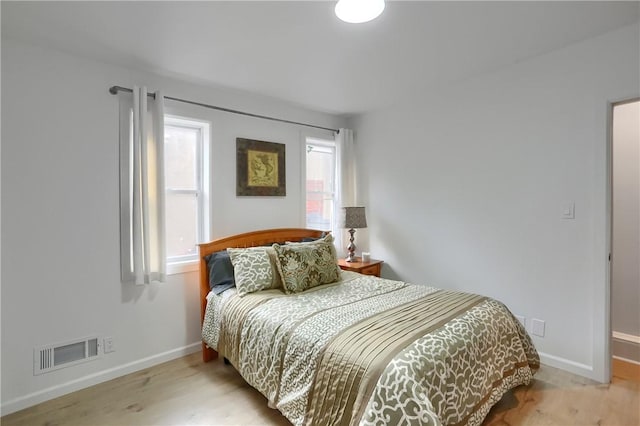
(368, 350)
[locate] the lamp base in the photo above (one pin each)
(351, 258)
(351, 248)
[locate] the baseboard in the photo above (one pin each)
(626, 369)
(567, 365)
(95, 378)
(626, 337)
(625, 346)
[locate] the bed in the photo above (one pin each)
(359, 349)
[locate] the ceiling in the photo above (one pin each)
(300, 52)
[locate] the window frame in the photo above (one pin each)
(324, 143)
(188, 263)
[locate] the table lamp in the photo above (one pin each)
(353, 218)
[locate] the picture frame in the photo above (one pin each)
(260, 168)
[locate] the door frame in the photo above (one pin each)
(608, 371)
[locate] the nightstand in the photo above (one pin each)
(371, 267)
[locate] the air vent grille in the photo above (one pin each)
(52, 357)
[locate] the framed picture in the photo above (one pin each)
(260, 169)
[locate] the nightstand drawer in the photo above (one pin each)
(372, 267)
(371, 270)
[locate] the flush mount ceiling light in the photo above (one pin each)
(359, 11)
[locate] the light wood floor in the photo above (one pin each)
(188, 392)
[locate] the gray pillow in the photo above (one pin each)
(220, 271)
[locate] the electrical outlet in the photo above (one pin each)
(108, 345)
(537, 327)
(522, 320)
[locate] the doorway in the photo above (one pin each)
(625, 240)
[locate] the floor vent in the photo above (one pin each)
(53, 357)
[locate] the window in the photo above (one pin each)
(320, 183)
(185, 199)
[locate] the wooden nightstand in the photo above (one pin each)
(371, 267)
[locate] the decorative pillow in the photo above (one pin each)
(273, 258)
(252, 269)
(312, 239)
(220, 271)
(305, 240)
(306, 265)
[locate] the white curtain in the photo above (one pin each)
(142, 188)
(346, 184)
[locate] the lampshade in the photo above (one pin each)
(359, 11)
(353, 218)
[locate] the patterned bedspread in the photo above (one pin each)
(368, 350)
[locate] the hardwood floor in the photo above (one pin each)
(626, 369)
(186, 392)
(556, 397)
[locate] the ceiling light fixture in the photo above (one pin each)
(359, 11)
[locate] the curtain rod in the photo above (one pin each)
(115, 89)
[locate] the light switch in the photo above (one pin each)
(569, 210)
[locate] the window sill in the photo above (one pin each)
(182, 267)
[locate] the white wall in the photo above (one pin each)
(467, 185)
(625, 267)
(60, 231)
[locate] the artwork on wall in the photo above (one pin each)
(260, 168)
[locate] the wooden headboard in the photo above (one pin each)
(249, 239)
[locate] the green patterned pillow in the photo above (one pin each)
(307, 265)
(252, 269)
(273, 258)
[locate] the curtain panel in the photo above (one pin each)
(346, 184)
(142, 187)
